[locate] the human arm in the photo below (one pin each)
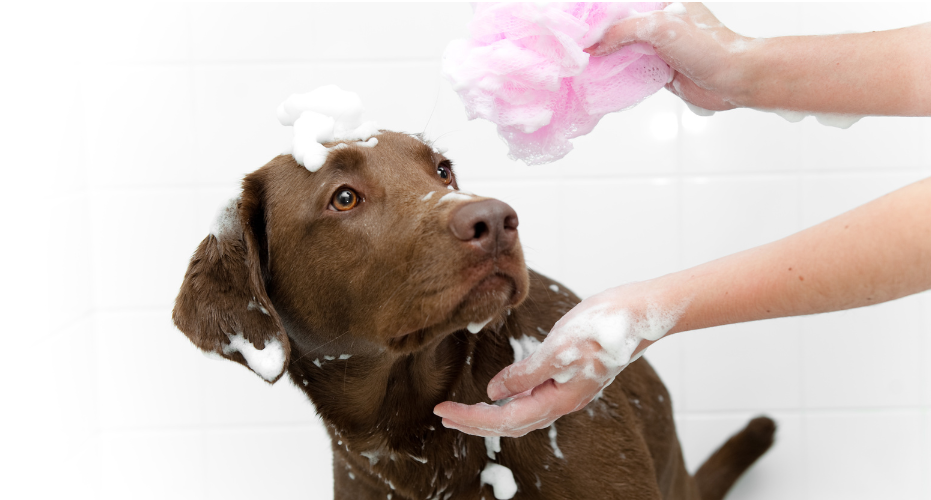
(875, 73)
(877, 252)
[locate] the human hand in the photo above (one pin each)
(705, 55)
(582, 354)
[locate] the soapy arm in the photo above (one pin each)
(878, 252)
(876, 73)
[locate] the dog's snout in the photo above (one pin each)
(491, 225)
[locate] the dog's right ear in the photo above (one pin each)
(222, 306)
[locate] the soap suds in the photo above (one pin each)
(268, 363)
(552, 434)
(501, 480)
(675, 8)
(523, 347)
(453, 196)
(226, 222)
(477, 327)
(253, 305)
(326, 114)
(838, 120)
(554, 288)
(498, 476)
(614, 333)
(492, 446)
(697, 110)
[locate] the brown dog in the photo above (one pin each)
(364, 279)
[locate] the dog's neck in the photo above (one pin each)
(385, 402)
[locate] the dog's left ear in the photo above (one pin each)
(222, 306)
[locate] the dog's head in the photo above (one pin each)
(378, 251)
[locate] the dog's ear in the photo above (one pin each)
(223, 306)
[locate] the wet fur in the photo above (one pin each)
(337, 283)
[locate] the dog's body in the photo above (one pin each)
(365, 275)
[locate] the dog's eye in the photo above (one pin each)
(445, 173)
(344, 199)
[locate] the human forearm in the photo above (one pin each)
(876, 73)
(875, 253)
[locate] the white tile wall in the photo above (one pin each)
(864, 455)
(779, 474)
(288, 462)
(142, 242)
(169, 105)
(742, 367)
(874, 352)
(726, 214)
(153, 464)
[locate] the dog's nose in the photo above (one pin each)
(491, 225)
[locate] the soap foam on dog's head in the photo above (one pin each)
(326, 114)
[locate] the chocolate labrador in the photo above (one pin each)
(383, 290)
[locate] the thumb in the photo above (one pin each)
(520, 377)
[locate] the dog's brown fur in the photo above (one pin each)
(388, 284)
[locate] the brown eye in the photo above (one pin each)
(445, 173)
(344, 199)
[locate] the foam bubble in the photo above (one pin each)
(326, 114)
(837, 120)
(501, 480)
(268, 362)
(475, 327)
(226, 223)
(676, 8)
(614, 333)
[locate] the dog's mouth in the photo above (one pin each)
(486, 300)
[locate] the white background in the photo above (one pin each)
(125, 127)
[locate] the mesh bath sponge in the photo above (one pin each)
(524, 69)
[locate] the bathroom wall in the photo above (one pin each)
(154, 113)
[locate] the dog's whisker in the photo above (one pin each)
(314, 349)
(435, 102)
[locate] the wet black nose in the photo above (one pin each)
(489, 225)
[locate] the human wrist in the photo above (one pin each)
(750, 72)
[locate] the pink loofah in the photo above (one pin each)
(524, 70)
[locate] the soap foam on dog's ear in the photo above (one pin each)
(226, 222)
(326, 114)
(267, 362)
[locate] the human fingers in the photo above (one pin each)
(544, 405)
(700, 100)
(635, 29)
(524, 375)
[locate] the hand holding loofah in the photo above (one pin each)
(525, 70)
